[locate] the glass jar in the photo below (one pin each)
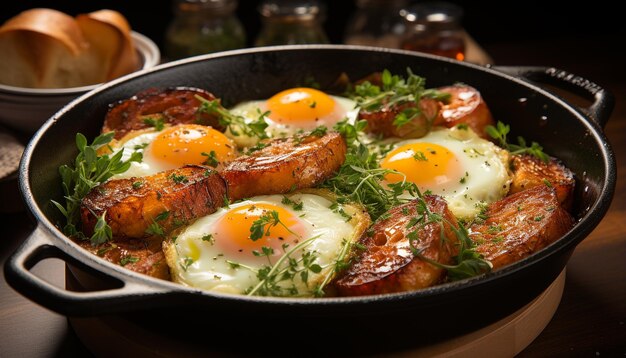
(291, 22)
(435, 28)
(376, 23)
(203, 26)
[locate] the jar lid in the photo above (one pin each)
(433, 12)
(213, 5)
(296, 9)
(381, 3)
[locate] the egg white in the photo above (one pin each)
(485, 174)
(212, 267)
(137, 142)
(252, 110)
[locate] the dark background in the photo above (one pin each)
(487, 21)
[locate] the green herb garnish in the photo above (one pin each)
(396, 91)
(499, 133)
(235, 124)
(88, 171)
(154, 121)
(211, 159)
(128, 260)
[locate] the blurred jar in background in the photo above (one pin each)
(203, 26)
(435, 28)
(288, 22)
(376, 23)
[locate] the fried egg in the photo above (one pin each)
(217, 251)
(466, 170)
(296, 109)
(173, 147)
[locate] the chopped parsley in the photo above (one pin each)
(154, 121)
(211, 159)
(179, 178)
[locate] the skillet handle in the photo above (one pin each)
(126, 294)
(602, 101)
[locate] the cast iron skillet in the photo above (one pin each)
(566, 132)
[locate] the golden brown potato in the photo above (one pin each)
(172, 106)
(530, 171)
(520, 225)
(387, 263)
(381, 121)
(163, 201)
(140, 255)
(285, 165)
(466, 106)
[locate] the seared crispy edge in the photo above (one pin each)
(285, 165)
(520, 225)
(387, 264)
(530, 171)
(158, 200)
(171, 105)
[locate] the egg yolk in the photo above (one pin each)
(428, 165)
(300, 105)
(185, 144)
(236, 226)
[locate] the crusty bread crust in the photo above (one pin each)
(46, 48)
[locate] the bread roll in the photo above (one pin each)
(45, 48)
(109, 34)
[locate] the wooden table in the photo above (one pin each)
(591, 318)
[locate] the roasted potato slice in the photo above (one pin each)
(156, 204)
(285, 165)
(466, 106)
(387, 263)
(382, 121)
(530, 171)
(144, 256)
(172, 106)
(519, 225)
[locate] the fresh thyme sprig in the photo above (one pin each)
(285, 268)
(499, 133)
(88, 171)
(396, 91)
(469, 263)
(262, 226)
(237, 125)
(360, 178)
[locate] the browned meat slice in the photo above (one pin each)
(156, 204)
(382, 121)
(530, 171)
(285, 165)
(519, 225)
(172, 106)
(388, 264)
(140, 255)
(467, 106)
